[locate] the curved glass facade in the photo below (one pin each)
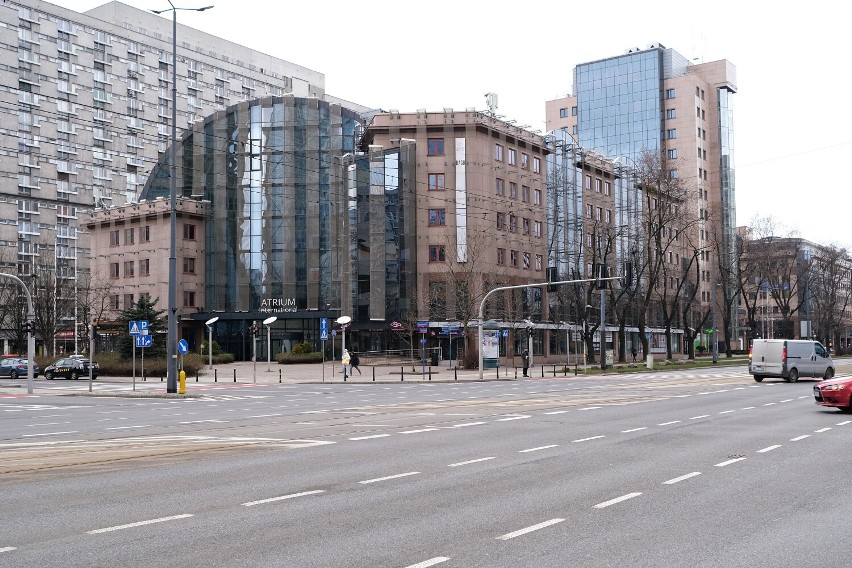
(293, 217)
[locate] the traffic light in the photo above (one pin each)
(29, 328)
(551, 277)
(601, 272)
(95, 329)
(254, 330)
(627, 275)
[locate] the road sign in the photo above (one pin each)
(144, 340)
(423, 341)
(138, 327)
(504, 332)
(183, 346)
(323, 329)
(422, 326)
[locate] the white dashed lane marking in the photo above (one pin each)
(538, 448)
(769, 449)
(468, 462)
(530, 529)
(587, 439)
(729, 462)
(616, 500)
(283, 497)
(397, 476)
(139, 524)
(681, 478)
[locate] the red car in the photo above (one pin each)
(835, 392)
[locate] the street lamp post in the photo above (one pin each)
(209, 323)
(268, 323)
(171, 343)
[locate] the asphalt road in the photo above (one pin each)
(691, 468)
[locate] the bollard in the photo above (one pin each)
(161, 377)
(456, 372)
(144, 378)
(374, 374)
(401, 372)
(430, 372)
(196, 375)
(235, 375)
(279, 375)
(215, 375)
(182, 382)
(542, 371)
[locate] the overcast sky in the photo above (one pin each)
(793, 131)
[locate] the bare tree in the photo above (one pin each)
(93, 291)
(829, 289)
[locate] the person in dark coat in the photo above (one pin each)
(525, 357)
(354, 361)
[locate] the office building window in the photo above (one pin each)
(588, 182)
(598, 213)
(189, 232)
(436, 253)
(188, 299)
(563, 113)
(436, 217)
(501, 187)
(501, 257)
(670, 93)
(598, 185)
(525, 226)
(607, 187)
(525, 193)
(144, 267)
(539, 262)
(574, 111)
(435, 147)
(537, 197)
(608, 217)
(129, 236)
(536, 165)
(671, 133)
(113, 270)
(525, 161)
(114, 300)
(501, 221)
(513, 258)
(512, 156)
(526, 261)
(129, 269)
(513, 223)
(513, 190)
(128, 301)
(436, 182)
(498, 152)
(672, 153)
(188, 265)
(588, 211)
(146, 234)
(670, 113)
(537, 226)
(114, 238)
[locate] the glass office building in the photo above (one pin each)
(300, 228)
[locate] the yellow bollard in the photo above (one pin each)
(182, 386)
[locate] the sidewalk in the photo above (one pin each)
(246, 372)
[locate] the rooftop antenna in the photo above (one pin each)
(491, 101)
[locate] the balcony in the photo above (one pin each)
(29, 182)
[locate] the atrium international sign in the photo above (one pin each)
(278, 305)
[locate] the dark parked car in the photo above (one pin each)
(835, 392)
(14, 368)
(70, 369)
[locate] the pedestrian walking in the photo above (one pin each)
(355, 361)
(525, 357)
(345, 359)
(633, 352)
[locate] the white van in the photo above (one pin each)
(789, 359)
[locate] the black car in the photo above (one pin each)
(70, 369)
(16, 367)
